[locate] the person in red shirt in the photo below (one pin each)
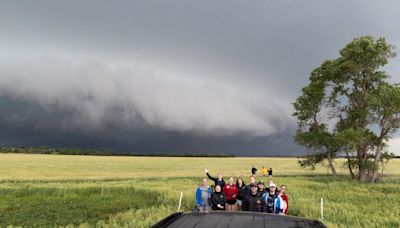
(231, 191)
(285, 198)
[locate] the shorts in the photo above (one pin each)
(231, 202)
(238, 202)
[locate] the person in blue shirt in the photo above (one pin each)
(273, 201)
(203, 197)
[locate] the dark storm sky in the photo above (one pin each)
(171, 76)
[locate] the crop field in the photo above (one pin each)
(105, 191)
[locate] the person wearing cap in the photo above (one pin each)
(273, 201)
(269, 183)
(203, 197)
(261, 188)
(254, 201)
(231, 192)
(219, 180)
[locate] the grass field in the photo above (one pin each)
(94, 191)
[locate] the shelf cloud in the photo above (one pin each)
(91, 94)
(170, 76)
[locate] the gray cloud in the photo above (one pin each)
(146, 75)
(92, 92)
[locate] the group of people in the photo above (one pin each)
(237, 196)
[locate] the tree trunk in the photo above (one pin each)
(362, 173)
(362, 169)
(350, 165)
(376, 160)
(331, 164)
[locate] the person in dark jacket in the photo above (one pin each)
(219, 180)
(218, 199)
(261, 188)
(270, 173)
(253, 170)
(252, 180)
(241, 186)
(254, 201)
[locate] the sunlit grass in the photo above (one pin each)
(57, 190)
(56, 167)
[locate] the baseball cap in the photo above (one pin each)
(272, 185)
(253, 185)
(261, 182)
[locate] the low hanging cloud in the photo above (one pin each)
(90, 95)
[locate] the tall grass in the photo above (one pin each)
(135, 196)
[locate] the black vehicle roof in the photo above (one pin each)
(223, 219)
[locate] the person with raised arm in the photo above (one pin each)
(219, 180)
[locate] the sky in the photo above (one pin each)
(172, 76)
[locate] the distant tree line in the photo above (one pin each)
(97, 152)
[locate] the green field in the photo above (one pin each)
(95, 191)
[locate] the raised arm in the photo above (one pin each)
(209, 176)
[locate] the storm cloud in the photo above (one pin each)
(91, 94)
(170, 76)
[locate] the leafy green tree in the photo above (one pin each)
(312, 128)
(350, 107)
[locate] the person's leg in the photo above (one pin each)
(233, 205)
(239, 205)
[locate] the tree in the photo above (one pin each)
(350, 107)
(312, 130)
